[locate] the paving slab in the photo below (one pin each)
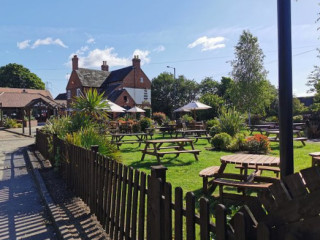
(22, 214)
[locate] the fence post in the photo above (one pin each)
(155, 209)
(221, 222)
(37, 138)
(159, 171)
(94, 150)
(54, 152)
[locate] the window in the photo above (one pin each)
(78, 92)
(141, 79)
(125, 98)
(145, 95)
(68, 94)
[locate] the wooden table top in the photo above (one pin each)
(260, 126)
(278, 131)
(252, 159)
(170, 140)
(192, 130)
(127, 134)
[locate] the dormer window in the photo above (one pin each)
(141, 79)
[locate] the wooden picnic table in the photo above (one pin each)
(117, 138)
(260, 127)
(242, 180)
(277, 137)
(154, 147)
(197, 133)
(170, 129)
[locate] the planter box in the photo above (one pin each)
(34, 123)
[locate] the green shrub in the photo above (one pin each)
(258, 143)
(212, 122)
(231, 122)
(159, 117)
(87, 137)
(255, 119)
(136, 127)
(186, 118)
(215, 129)
(11, 123)
(60, 126)
(238, 142)
(272, 119)
(221, 141)
(145, 123)
(297, 119)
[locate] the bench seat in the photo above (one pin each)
(206, 173)
(241, 186)
(238, 184)
(180, 151)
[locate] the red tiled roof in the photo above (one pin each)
(45, 93)
(19, 100)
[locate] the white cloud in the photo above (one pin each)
(160, 48)
(94, 58)
(39, 42)
(208, 43)
(48, 41)
(91, 40)
(143, 55)
(24, 44)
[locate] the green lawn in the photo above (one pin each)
(184, 170)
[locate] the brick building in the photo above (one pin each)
(127, 87)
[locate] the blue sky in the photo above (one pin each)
(195, 37)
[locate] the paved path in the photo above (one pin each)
(22, 214)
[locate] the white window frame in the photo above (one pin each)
(68, 94)
(141, 80)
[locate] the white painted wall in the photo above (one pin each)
(138, 94)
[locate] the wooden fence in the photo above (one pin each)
(132, 205)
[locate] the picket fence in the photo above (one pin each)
(130, 204)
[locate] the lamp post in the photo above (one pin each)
(174, 71)
(175, 88)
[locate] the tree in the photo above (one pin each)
(224, 89)
(208, 85)
(169, 93)
(17, 76)
(251, 91)
(213, 101)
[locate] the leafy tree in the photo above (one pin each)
(224, 89)
(17, 76)
(298, 107)
(213, 101)
(251, 91)
(169, 93)
(208, 85)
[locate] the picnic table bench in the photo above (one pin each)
(277, 137)
(242, 181)
(154, 147)
(196, 134)
(260, 127)
(117, 138)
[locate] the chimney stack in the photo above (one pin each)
(104, 66)
(75, 62)
(136, 62)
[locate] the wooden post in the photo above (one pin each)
(29, 120)
(22, 114)
(285, 87)
(1, 115)
(155, 209)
